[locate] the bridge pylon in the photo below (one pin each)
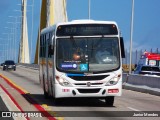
(52, 12)
(24, 47)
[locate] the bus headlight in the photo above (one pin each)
(113, 81)
(63, 82)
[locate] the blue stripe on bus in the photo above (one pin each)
(69, 74)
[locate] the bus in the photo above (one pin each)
(81, 58)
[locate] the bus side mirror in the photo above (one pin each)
(122, 47)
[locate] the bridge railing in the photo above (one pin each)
(32, 66)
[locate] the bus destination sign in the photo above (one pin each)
(87, 30)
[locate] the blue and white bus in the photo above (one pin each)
(81, 58)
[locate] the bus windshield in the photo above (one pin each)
(87, 54)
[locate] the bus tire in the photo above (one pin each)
(109, 100)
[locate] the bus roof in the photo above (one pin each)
(77, 22)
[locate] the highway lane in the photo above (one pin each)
(129, 101)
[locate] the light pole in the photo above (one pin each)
(32, 30)
(39, 33)
(89, 9)
(131, 37)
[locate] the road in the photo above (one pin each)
(28, 79)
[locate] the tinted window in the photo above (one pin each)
(9, 62)
(146, 68)
(155, 69)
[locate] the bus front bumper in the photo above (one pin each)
(63, 92)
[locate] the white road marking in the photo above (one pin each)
(133, 109)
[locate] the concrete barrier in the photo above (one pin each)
(124, 78)
(150, 81)
(153, 82)
(146, 84)
(31, 66)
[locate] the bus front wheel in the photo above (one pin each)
(109, 100)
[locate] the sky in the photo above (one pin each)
(146, 28)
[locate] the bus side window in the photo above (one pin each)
(40, 55)
(50, 51)
(50, 45)
(43, 46)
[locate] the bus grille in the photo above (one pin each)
(88, 78)
(84, 84)
(88, 90)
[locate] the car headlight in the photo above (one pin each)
(63, 82)
(5, 65)
(113, 81)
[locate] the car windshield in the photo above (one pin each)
(9, 62)
(87, 54)
(147, 68)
